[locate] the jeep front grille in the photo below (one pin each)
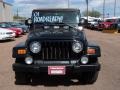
(57, 50)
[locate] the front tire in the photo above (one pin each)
(88, 77)
(21, 78)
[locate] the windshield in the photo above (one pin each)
(55, 17)
(3, 25)
(110, 20)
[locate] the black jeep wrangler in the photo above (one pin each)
(56, 46)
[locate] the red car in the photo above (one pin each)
(106, 24)
(17, 31)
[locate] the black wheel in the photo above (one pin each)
(22, 78)
(88, 77)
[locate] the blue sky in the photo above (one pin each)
(25, 6)
(10, 1)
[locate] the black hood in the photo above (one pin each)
(65, 34)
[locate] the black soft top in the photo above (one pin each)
(57, 9)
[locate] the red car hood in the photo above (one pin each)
(15, 29)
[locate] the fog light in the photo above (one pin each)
(28, 60)
(84, 60)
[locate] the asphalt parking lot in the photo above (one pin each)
(109, 76)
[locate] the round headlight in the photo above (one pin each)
(77, 47)
(35, 47)
(28, 60)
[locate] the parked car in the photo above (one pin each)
(56, 46)
(117, 23)
(94, 24)
(6, 34)
(108, 23)
(17, 31)
(26, 28)
(20, 25)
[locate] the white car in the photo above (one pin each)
(6, 34)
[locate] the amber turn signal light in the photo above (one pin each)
(22, 51)
(91, 51)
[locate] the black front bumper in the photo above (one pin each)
(44, 68)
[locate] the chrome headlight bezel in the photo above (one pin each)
(35, 47)
(77, 46)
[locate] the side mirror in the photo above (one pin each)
(28, 22)
(81, 22)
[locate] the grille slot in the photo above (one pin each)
(57, 50)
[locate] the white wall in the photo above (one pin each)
(6, 14)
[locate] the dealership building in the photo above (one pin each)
(6, 14)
